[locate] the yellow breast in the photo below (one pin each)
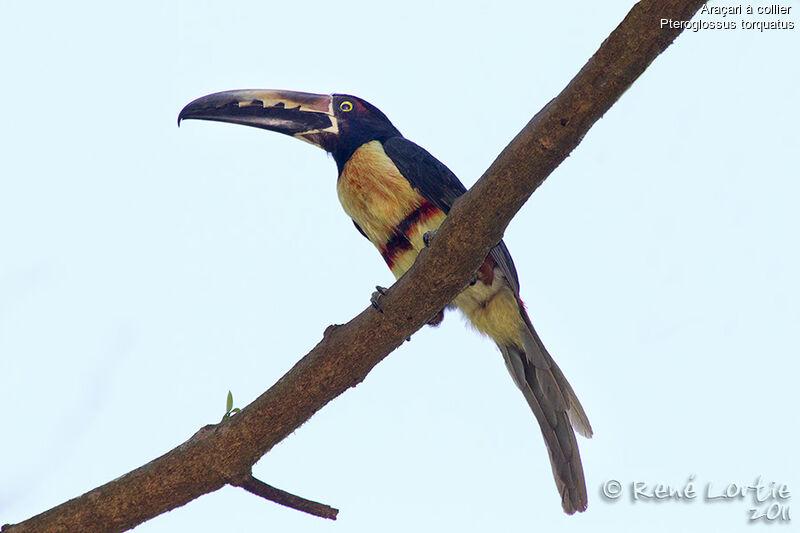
(388, 210)
(394, 217)
(374, 193)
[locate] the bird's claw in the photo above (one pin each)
(379, 291)
(427, 236)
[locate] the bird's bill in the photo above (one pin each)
(307, 116)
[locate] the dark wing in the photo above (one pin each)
(428, 175)
(437, 184)
(361, 231)
(503, 258)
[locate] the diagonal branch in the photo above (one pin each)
(221, 454)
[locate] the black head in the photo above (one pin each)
(359, 122)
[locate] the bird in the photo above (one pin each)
(397, 194)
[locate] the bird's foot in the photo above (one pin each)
(376, 296)
(427, 236)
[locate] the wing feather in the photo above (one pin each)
(440, 186)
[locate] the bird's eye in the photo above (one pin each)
(346, 106)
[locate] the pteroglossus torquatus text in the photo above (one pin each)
(396, 192)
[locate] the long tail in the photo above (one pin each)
(557, 410)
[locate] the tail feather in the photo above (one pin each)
(534, 346)
(577, 416)
(557, 410)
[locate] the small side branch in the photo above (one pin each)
(268, 492)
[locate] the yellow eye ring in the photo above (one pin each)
(346, 106)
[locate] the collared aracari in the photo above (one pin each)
(396, 192)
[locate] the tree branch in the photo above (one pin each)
(221, 454)
(281, 497)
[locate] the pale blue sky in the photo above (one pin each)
(145, 270)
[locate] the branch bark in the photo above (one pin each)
(222, 454)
